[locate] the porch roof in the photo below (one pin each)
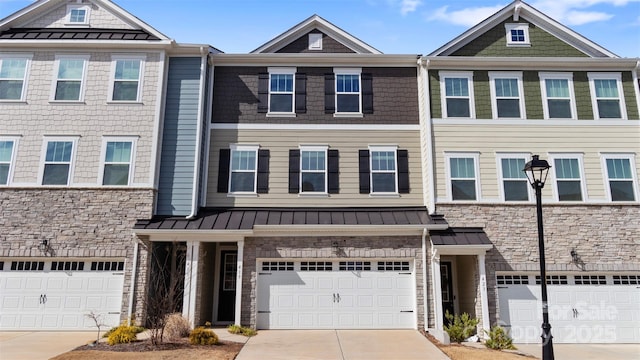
(459, 236)
(248, 218)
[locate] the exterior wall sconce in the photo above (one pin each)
(45, 246)
(336, 248)
(575, 259)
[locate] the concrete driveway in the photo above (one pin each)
(339, 344)
(586, 351)
(38, 345)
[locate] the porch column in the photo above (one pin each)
(437, 289)
(238, 308)
(484, 301)
(190, 281)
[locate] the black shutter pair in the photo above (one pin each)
(403, 171)
(330, 92)
(333, 182)
(224, 169)
(300, 93)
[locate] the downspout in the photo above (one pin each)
(424, 279)
(196, 171)
(156, 145)
(133, 280)
(431, 201)
(207, 128)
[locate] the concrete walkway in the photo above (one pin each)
(586, 351)
(339, 345)
(38, 345)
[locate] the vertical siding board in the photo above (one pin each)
(179, 137)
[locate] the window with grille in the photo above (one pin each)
(590, 280)
(107, 265)
(67, 265)
(393, 266)
(513, 279)
(554, 280)
(355, 265)
(316, 266)
(27, 265)
(626, 279)
(277, 266)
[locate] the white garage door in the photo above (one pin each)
(336, 295)
(582, 308)
(57, 295)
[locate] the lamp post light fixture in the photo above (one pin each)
(537, 171)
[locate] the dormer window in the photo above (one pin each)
(315, 41)
(517, 34)
(77, 15)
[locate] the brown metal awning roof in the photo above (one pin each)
(75, 34)
(248, 218)
(459, 236)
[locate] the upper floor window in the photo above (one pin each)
(620, 176)
(457, 90)
(243, 170)
(348, 91)
(315, 41)
(77, 15)
(506, 95)
(313, 170)
(7, 155)
(606, 95)
(58, 160)
(464, 182)
(117, 165)
(558, 99)
(281, 90)
(517, 34)
(384, 170)
(13, 76)
(515, 186)
(569, 177)
(69, 79)
(126, 78)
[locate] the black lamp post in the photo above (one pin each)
(536, 171)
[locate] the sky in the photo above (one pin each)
(391, 26)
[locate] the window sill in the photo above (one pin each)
(348, 115)
(11, 101)
(64, 102)
(313, 195)
(83, 25)
(384, 195)
(275, 114)
(113, 102)
(241, 195)
(519, 45)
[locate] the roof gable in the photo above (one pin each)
(52, 15)
(340, 40)
(519, 11)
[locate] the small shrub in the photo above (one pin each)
(460, 327)
(122, 334)
(137, 329)
(498, 339)
(202, 336)
(235, 329)
(241, 330)
(176, 327)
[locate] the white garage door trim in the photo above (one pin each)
(58, 294)
(336, 294)
(594, 308)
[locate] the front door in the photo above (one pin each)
(446, 282)
(227, 297)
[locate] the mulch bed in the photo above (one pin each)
(146, 345)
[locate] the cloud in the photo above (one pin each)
(584, 17)
(408, 6)
(464, 17)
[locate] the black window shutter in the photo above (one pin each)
(329, 94)
(263, 92)
(333, 179)
(403, 172)
(263, 172)
(365, 186)
(367, 93)
(223, 170)
(294, 171)
(301, 93)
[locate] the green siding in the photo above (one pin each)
(533, 95)
(630, 96)
(583, 96)
(436, 103)
(494, 43)
(482, 94)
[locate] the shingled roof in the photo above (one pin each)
(76, 34)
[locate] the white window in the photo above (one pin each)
(281, 90)
(620, 177)
(348, 94)
(558, 98)
(77, 15)
(8, 146)
(606, 95)
(244, 162)
(14, 69)
(462, 172)
(69, 78)
(315, 41)
(58, 155)
(117, 160)
(517, 34)
(515, 186)
(506, 95)
(384, 169)
(457, 94)
(126, 78)
(569, 175)
(313, 169)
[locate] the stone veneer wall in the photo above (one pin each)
(78, 223)
(409, 247)
(605, 236)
